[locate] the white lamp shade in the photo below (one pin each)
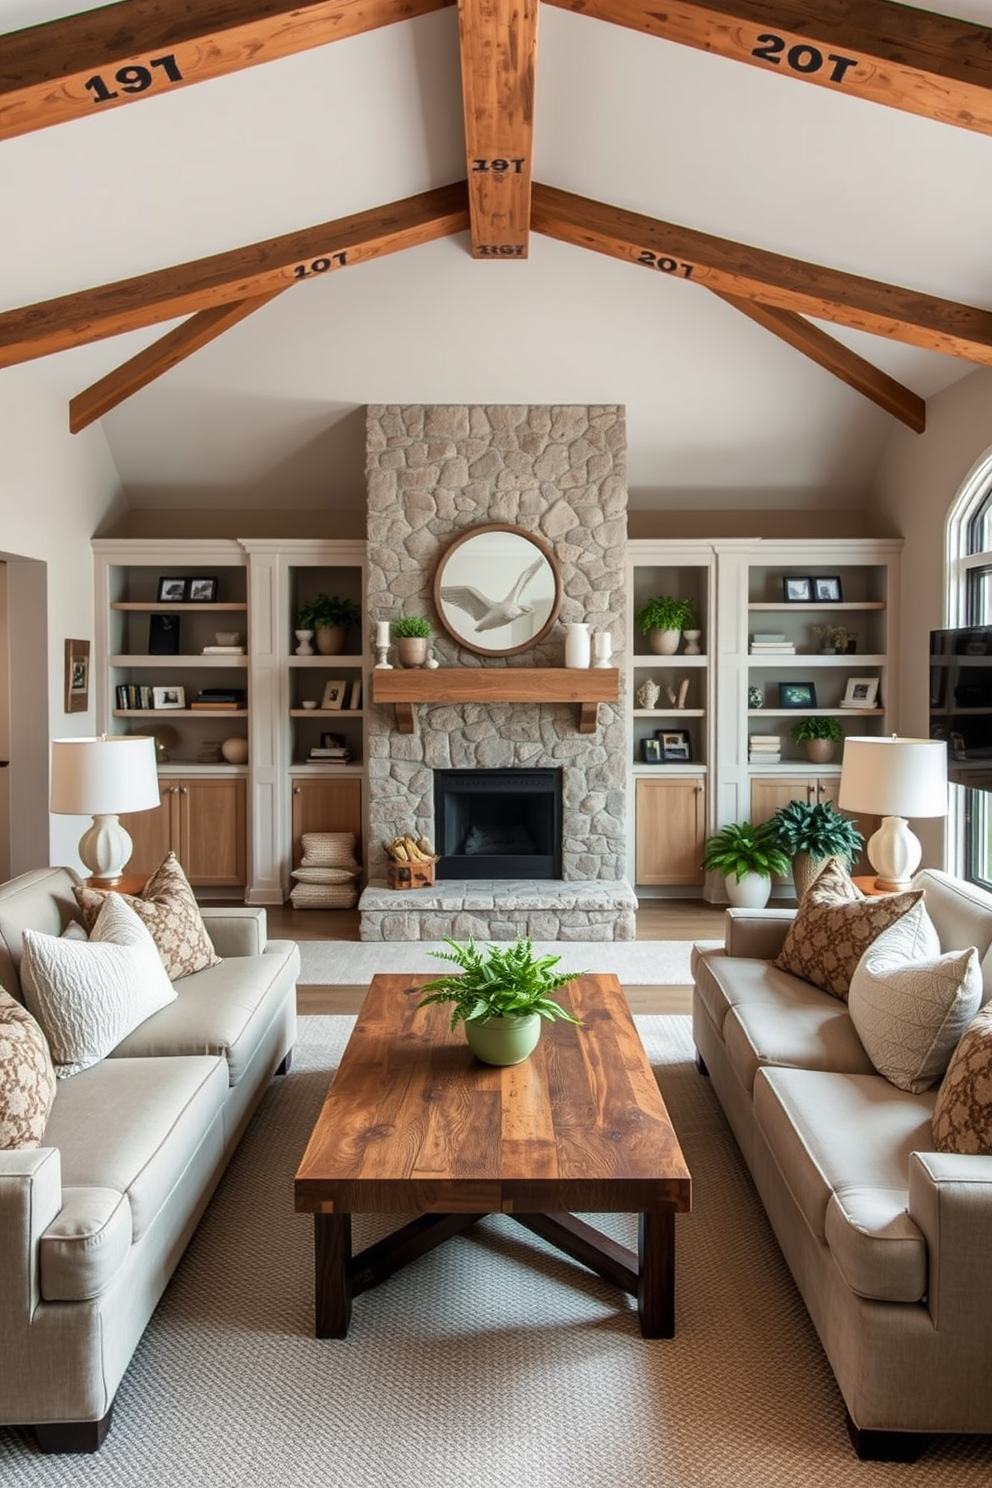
(894, 776)
(95, 777)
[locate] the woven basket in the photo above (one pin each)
(329, 849)
(324, 896)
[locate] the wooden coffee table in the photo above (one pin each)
(414, 1123)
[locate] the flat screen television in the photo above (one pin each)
(961, 702)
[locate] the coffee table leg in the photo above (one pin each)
(656, 1287)
(332, 1253)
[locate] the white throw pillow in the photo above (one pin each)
(910, 1004)
(88, 995)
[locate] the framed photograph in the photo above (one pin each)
(168, 697)
(334, 694)
(201, 591)
(797, 590)
(826, 587)
(861, 692)
(651, 751)
(675, 745)
(171, 590)
(796, 695)
(77, 676)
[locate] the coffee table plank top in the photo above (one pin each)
(413, 1121)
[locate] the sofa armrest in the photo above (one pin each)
(235, 931)
(30, 1199)
(756, 933)
(950, 1199)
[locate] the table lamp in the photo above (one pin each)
(894, 778)
(102, 777)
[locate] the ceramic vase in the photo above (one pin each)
(820, 751)
(664, 642)
(411, 650)
(330, 640)
(578, 647)
(602, 649)
(503, 1040)
(750, 893)
(692, 647)
(304, 637)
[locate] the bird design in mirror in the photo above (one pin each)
(493, 614)
(497, 589)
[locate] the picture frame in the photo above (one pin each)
(675, 746)
(77, 676)
(797, 589)
(651, 751)
(201, 591)
(333, 699)
(796, 695)
(168, 697)
(861, 692)
(171, 589)
(827, 588)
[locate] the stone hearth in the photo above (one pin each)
(500, 909)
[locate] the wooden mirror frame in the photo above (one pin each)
(450, 615)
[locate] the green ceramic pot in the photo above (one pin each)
(503, 1040)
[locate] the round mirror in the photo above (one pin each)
(497, 590)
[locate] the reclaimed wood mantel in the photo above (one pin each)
(406, 686)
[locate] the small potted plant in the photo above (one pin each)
(329, 616)
(810, 834)
(820, 735)
(662, 619)
(411, 634)
(833, 639)
(500, 997)
(747, 855)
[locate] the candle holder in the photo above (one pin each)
(382, 633)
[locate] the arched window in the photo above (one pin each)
(968, 601)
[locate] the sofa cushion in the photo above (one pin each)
(962, 1118)
(816, 1035)
(27, 1079)
(86, 1244)
(962, 916)
(144, 1127)
(910, 1004)
(833, 929)
(87, 995)
(850, 1136)
(167, 907)
(723, 982)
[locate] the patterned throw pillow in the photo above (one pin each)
(834, 926)
(168, 907)
(962, 1117)
(27, 1079)
(910, 1004)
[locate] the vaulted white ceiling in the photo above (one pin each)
(720, 413)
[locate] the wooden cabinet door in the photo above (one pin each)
(670, 826)
(211, 830)
(151, 833)
(326, 806)
(770, 792)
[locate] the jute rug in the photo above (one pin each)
(494, 1360)
(635, 962)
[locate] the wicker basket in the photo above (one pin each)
(411, 875)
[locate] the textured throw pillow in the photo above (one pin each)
(27, 1079)
(329, 849)
(962, 1117)
(326, 875)
(167, 907)
(88, 995)
(910, 1004)
(834, 926)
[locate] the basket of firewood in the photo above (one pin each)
(411, 862)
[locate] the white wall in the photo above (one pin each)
(56, 489)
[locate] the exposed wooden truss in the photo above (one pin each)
(498, 40)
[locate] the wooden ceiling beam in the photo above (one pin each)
(909, 59)
(498, 40)
(85, 64)
(756, 274)
(136, 373)
(243, 273)
(838, 359)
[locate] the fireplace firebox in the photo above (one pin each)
(498, 823)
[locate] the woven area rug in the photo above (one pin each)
(494, 1360)
(354, 963)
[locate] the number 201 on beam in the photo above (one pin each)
(666, 265)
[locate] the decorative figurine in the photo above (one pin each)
(648, 694)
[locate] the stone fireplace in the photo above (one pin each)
(558, 472)
(498, 823)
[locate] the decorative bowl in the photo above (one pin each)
(228, 637)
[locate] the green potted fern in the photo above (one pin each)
(810, 834)
(500, 996)
(747, 855)
(820, 735)
(662, 618)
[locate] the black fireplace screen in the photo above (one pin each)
(498, 823)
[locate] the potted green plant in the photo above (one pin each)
(500, 996)
(820, 735)
(747, 855)
(328, 616)
(810, 834)
(411, 634)
(662, 618)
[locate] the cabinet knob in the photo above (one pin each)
(296, 790)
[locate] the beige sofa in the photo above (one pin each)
(94, 1221)
(888, 1241)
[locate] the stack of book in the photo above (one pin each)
(221, 699)
(764, 749)
(771, 643)
(131, 695)
(335, 754)
(223, 651)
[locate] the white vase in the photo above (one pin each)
(664, 642)
(578, 648)
(692, 642)
(602, 648)
(751, 893)
(304, 637)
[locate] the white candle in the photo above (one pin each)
(382, 633)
